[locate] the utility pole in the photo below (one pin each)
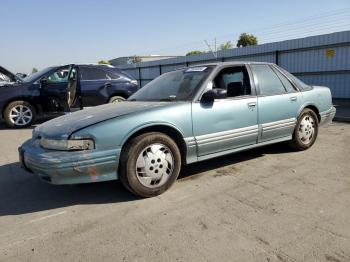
(216, 50)
(211, 50)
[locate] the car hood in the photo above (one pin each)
(15, 86)
(64, 126)
(10, 75)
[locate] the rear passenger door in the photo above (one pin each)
(278, 103)
(94, 86)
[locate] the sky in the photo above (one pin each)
(41, 33)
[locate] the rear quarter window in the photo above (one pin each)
(295, 80)
(287, 84)
(88, 73)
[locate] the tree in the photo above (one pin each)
(225, 46)
(34, 70)
(103, 62)
(194, 52)
(246, 39)
(135, 59)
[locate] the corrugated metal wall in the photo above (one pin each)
(317, 60)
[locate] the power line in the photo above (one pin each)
(272, 29)
(326, 25)
(285, 28)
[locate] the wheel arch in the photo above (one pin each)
(166, 129)
(36, 106)
(118, 93)
(313, 107)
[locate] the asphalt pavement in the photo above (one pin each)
(266, 204)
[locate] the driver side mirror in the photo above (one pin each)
(208, 97)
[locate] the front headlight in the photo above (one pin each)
(67, 145)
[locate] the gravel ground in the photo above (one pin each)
(266, 204)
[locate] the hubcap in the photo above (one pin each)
(306, 129)
(154, 165)
(117, 100)
(21, 115)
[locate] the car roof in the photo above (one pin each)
(83, 64)
(232, 63)
(93, 64)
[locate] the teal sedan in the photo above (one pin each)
(181, 117)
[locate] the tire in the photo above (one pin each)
(306, 130)
(25, 112)
(115, 99)
(150, 164)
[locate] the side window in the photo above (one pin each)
(112, 75)
(88, 73)
(296, 80)
(287, 84)
(231, 82)
(59, 76)
(267, 80)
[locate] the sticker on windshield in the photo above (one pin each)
(196, 69)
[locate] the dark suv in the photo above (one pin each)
(59, 89)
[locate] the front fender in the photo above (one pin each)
(148, 125)
(114, 132)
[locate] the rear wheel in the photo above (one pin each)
(306, 130)
(115, 99)
(19, 114)
(150, 164)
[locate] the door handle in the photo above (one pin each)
(251, 105)
(293, 98)
(107, 84)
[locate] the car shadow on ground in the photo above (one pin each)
(191, 171)
(3, 126)
(22, 192)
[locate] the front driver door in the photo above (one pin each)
(54, 94)
(231, 120)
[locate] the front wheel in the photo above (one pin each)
(19, 114)
(306, 130)
(149, 164)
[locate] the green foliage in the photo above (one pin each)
(246, 40)
(225, 46)
(34, 70)
(194, 52)
(103, 62)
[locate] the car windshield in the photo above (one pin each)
(36, 75)
(179, 85)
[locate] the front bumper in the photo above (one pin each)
(69, 167)
(327, 116)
